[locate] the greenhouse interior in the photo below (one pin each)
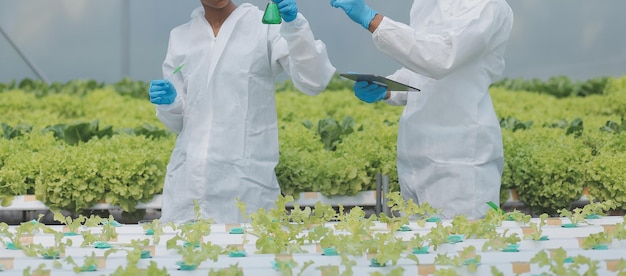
(84, 155)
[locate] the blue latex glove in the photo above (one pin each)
(369, 92)
(287, 9)
(357, 10)
(162, 92)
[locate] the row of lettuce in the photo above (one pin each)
(76, 144)
(558, 86)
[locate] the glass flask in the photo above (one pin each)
(271, 15)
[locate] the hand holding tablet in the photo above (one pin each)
(390, 84)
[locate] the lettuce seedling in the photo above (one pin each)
(536, 229)
(72, 224)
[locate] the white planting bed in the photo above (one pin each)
(510, 263)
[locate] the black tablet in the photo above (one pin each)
(391, 84)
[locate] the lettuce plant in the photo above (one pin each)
(466, 257)
(502, 242)
(576, 217)
(358, 227)
(155, 228)
(536, 229)
(383, 247)
(188, 242)
(418, 243)
(599, 240)
(39, 270)
(517, 216)
(191, 233)
(55, 251)
(232, 270)
(620, 230)
(275, 231)
(407, 210)
(133, 270)
(72, 224)
(19, 239)
(192, 257)
(439, 235)
(597, 208)
(560, 264)
(106, 234)
(89, 264)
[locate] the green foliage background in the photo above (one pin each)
(559, 137)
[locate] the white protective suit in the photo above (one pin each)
(225, 110)
(450, 151)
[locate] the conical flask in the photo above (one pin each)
(271, 15)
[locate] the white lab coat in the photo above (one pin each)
(225, 110)
(450, 151)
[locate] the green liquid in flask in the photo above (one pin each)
(271, 15)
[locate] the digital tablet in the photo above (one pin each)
(391, 84)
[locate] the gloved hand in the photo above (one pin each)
(369, 92)
(162, 92)
(287, 9)
(357, 10)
